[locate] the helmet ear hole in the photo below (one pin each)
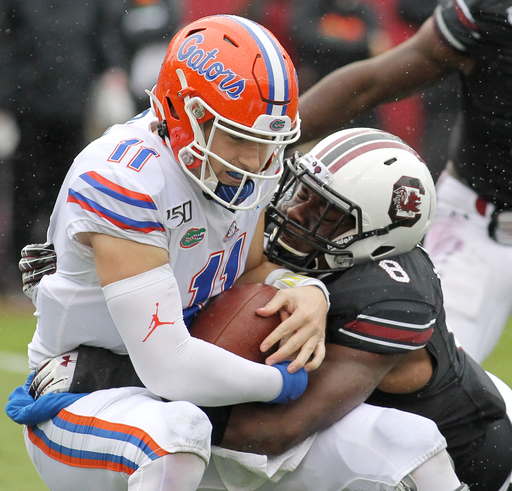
(172, 111)
(381, 251)
(229, 40)
(194, 31)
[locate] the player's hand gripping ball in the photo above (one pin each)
(230, 320)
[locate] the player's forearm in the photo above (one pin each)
(359, 87)
(147, 311)
(356, 89)
(260, 429)
(334, 101)
(338, 386)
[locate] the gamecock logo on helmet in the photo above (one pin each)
(406, 201)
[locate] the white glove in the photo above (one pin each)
(54, 375)
(36, 261)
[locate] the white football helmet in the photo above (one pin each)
(366, 174)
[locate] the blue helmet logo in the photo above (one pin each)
(206, 66)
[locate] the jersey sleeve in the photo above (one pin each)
(107, 202)
(390, 327)
(456, 24)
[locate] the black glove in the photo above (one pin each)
(36, 261)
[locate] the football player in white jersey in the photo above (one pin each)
(154, 218)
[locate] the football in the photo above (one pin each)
(229, 320)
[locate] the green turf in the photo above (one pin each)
(16, 328)
(500, 361)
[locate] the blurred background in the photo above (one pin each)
(72, 69)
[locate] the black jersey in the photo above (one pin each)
(394, 306)
(481, 146)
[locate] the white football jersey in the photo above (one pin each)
(129, 185)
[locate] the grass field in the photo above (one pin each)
(16, 328)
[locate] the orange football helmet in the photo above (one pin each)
(233, 72)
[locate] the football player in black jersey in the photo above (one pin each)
(389, 342)
(470, 241)
(352, 211)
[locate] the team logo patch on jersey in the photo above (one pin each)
(406, 201)
(192, 237)
(203, 63)
(233, 229)
(179, 214)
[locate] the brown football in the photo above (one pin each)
(230, 321)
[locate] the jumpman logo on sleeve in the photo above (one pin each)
(155, 322)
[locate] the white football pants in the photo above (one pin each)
(475, 271)
(370, 449)
(109, 439)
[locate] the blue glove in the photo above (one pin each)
(23, 410)
(294, 384)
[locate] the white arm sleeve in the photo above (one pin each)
(172, 364)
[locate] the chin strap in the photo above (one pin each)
(227, 193)
(163, 131)
(290, 255)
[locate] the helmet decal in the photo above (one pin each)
(348, 147)
(406, 201)
(277, 124)
(338, 141)
(197, 60)
(275, 65)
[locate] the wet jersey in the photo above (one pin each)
(394, 306)
(127, 184)
(481, 146)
